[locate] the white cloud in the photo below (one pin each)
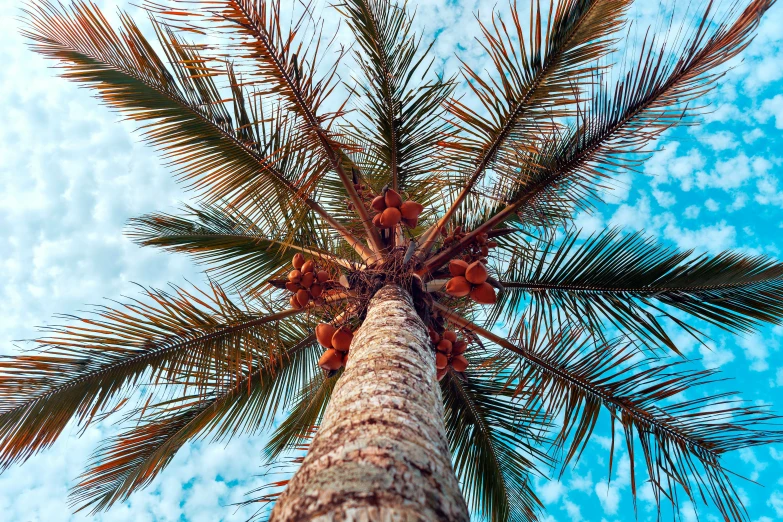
(551, 491)
(776, 502)
(772, 108)
(756, 349)
(714, 357)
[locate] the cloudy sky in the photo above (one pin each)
(71, 174)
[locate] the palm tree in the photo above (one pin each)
(363, 261)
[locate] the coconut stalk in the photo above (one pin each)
(381, 451)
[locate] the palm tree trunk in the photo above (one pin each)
(381, 452)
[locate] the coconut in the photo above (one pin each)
(459, 347)
(441, 361)
(476, 273)
(459, 363)
(298, 261)
(324, 333)
(450, 335)
(434, 337)
(444, 346)
(307, 279)
(303, 297)
(483, 294)
(330, 360)
(411, 210)
(390, 217)
(458, 287)
(457, 267)
(376, 221)
(292, 287)
(294, 276)
(378, 204)
(341, 340)
(316, 290)
(322, 276)
(484, 251)
(308, 266)
(442, 373)
(294, 302)
(392, 199)
(410, 223)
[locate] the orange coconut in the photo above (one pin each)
(390, 217)
(378, 204)
(476, 273)
(483, 294)
(331, 360)
(442, 373)
(457, 267)
(292, 287)
(450, 335)
(308, 266)
(316, 290)
(341, 340)
(392, 199)
(441, 361)
(444, 346)
(303, 297)
(298, 261)
(459, 363)
(324, 333)
(410, 223)
(307, 279)
(411, 210)
(323, 276)
(294, 276)
(294, 302)
(458, 287)
(459, 347)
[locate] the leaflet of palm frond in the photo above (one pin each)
(622, 121)
(183, 111)
(493, 446)
(82, 369)
(681, 441)
(130, 461)
(285, 67)
(628, 279)
(235, 248)
(568, 376)
(533, 85)
(304, 417)
(401, 112)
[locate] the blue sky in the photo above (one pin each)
(71, 174)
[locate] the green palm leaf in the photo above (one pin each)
(82, 369)
(626, 280)
(133, 459)
(493, 446)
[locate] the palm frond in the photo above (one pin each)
(402, 117)
(239, 251)
(620, 123)
(493, 446)
(626, 280)
(304, 418)
(133, 459)
(682, 441)
(536, 82)
(286, 68)
(185, 113)
(82, 368)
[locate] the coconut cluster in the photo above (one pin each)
(449, 351)
(305, 281)
(470, 279)
(337, 342)
(391, 210)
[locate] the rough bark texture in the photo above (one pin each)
(381, 452)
